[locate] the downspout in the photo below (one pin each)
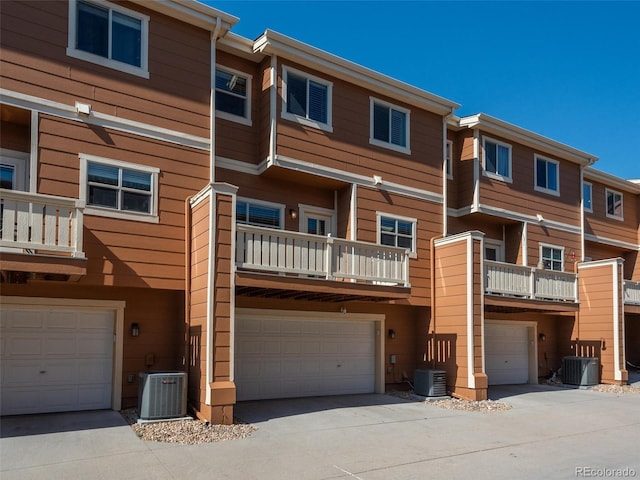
(445, 180)
(475, 206)
(187, 285)
(273, 106)
(212, 102)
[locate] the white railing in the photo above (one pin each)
(528, 282)
(631, 292)
(285, 252)
(31, 221)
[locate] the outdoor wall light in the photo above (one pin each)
(542, 337)
(293, 214)
(392, 333)
(343, 310)
(135, 329)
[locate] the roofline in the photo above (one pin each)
(611, 180)
(239, 45)
(193, 12)
(274, 43)
(496, 126)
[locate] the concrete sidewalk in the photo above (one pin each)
(549, 433)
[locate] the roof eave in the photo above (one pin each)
(194, 13)
(275, 43)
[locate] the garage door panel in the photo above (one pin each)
(56, 360)
(299, 357)
(507, 353)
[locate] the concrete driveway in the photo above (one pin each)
(549, 433)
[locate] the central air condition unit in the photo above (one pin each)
(581, 371)
(430, 383)
(162, 395)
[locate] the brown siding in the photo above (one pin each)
(571, 242)
(465, 172)
(176, 96)
(148, 254)
(597, 223)
(347, 147)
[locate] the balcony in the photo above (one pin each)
(40, 237)
(518, 281)
(631, 292)
(298, 260)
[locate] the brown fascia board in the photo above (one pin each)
(274, 43)
(495, 126)
(239, 46)
(194, 13)
(631, 186)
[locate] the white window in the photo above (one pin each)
(118, 189)
(497, 159)
(307, 99)
(546, 174)
(552, 257)
(233, 95)
(110, 35)
(397, 231)
(493, 250)
(389, 126)
(614, 204)
(449, 159)
(587, 195)
(14, 170)
(259, 213)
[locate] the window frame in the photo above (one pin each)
(305, 120)
(607, 191)
(497, 245)
(414, 230)
(246, 118)
(547, 161)
(449, 159)
(102, 211)
(590, 187)
(263, 203)
(389, 145)
(541, 259)
(497, 175)
(73, 51)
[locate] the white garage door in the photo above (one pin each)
(280, 358)
(55, 360)
(506, 354)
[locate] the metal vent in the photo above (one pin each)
(430, 383)
(582, 371)
(162, 395)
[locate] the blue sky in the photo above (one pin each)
(566, 70)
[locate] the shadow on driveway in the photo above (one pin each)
(24, 425)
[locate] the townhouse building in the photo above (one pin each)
(277, 221)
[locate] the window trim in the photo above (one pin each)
(449, 159)
(414, 234)
(254, 201)
(606, 203)
(152, 217)
(246, 119)
(327, 127)
(497, 176)
(391, 146)
(590, 185)
(72, 51)
(304, 211)
(555, 247)
(547, 161)
(497, 245)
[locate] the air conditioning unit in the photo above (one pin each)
(582, 371)
(430, 383)
(162, 395)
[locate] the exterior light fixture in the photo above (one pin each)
(135, 329)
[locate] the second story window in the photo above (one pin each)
(119, 189)
(546, 175)
(261, 214)
(307, 99)
(497, 159)
(397, 231)
(552, 257)
(587, 195)
(389, 126)
(110, 35)
(614, 204)
(233, 95)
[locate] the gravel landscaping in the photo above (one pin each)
(449, 403)
(619, 389)
(186, 431)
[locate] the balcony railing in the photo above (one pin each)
(631, 292)
(528, 282)
(35, 222)
(284, 252)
